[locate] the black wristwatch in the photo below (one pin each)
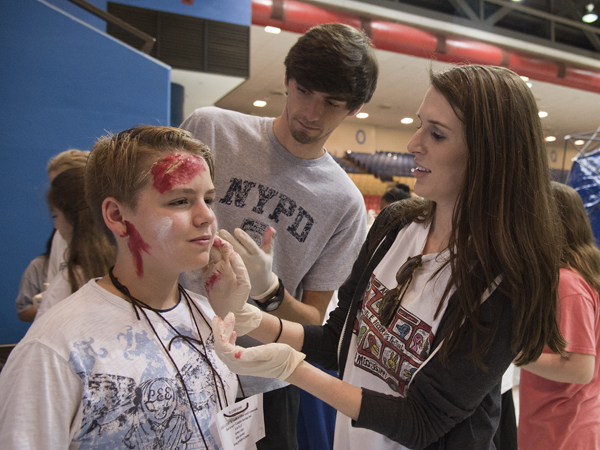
(273, 302)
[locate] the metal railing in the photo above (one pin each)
(149, 41)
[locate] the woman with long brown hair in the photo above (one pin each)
(448, 288)
(559, 399)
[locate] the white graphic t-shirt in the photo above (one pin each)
(90, 375)
(385, 359)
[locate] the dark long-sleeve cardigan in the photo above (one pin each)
(450, 406)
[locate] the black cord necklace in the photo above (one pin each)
(141, 306)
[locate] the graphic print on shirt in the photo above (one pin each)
(271, 204)
(150, 413)
(393, 354)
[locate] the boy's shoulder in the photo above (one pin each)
(88, 308)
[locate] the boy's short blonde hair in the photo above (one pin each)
(119, 165)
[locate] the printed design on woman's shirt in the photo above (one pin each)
(393, 354)
(282, 207)
(152, 413)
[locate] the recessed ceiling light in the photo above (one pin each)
(543, 114)
(590, 16)
(273, 30)
(362, 115)
(407, 120)
(529, 84)
(260, 103)
(579, 142)
(550, 138)
(525, 78)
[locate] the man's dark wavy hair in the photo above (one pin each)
(335, 59)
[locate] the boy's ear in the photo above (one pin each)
(112, 212)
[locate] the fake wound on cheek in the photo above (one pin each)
(136, 246)
(176, 169)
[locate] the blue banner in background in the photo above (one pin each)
(585, 179)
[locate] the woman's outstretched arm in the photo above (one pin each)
(280, 360)
(342, 396)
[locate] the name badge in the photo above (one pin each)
(241, 425)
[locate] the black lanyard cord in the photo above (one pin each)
(187, 297)
(138, 304)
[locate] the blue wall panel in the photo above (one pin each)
(63, 84)
(82, 14)
(231, 11)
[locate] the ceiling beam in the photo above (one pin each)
(497, 16)
(593, 38)
(545, 15)
(462, 5)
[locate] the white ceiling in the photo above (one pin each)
(402, 84)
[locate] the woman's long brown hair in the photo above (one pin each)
(504, 221)
(89, 253)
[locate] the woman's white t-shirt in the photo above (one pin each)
(385, 359)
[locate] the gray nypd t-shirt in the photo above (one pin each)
(317, 211)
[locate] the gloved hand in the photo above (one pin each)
(37, 300)
(268, 361)
(371, 216)
(227, 285)
(258, 261)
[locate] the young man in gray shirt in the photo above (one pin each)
(274, 173)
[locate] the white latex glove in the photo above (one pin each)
(371, 216)
(258, 261)
(37, 300)
(227, 285)
(268, 361)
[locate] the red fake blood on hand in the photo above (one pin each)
(176, 169)
(208, 284)
(238, 354)
(136, 245)
(218, 242)
(268, 237)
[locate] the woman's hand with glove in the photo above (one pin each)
(268, 361)
(227, 286)
(258, 260)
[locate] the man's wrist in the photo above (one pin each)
(272, 302)
(271, 290)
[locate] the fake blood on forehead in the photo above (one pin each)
(136, 245)
(176, 169)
